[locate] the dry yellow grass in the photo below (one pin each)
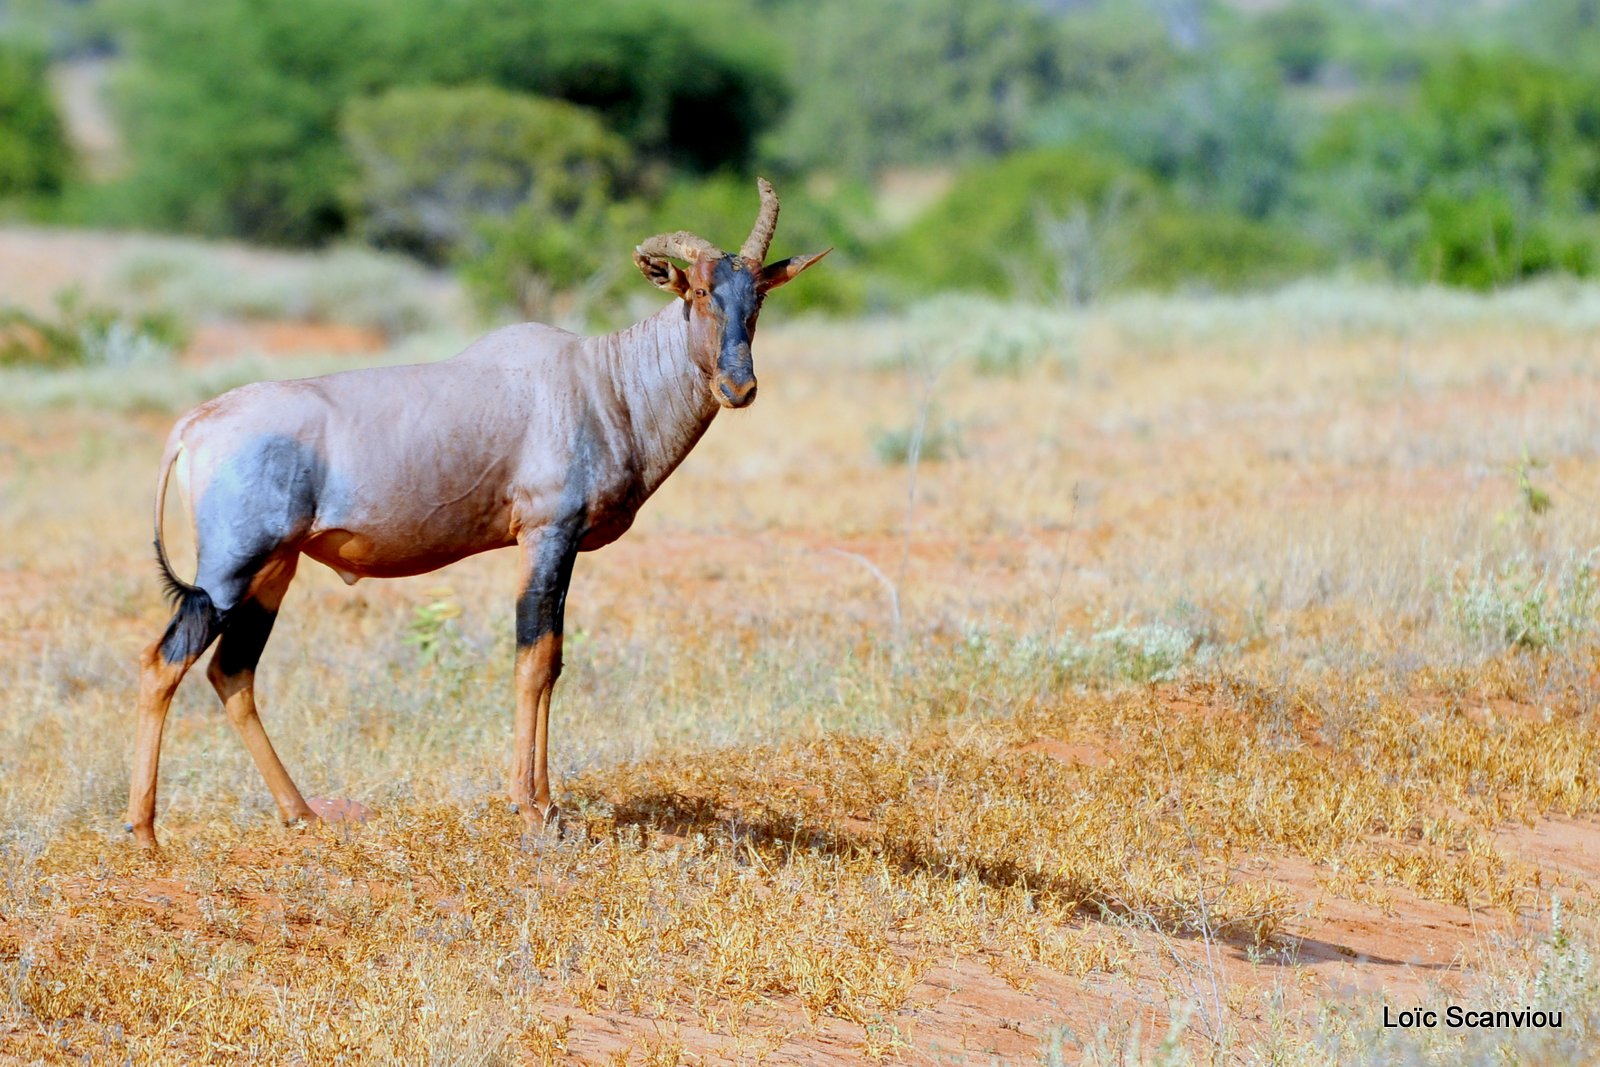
(1224, 656)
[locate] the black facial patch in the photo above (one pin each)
(734, 293)
(738, 301)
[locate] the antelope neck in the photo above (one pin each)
(660, 386)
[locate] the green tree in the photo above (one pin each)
(1565, 32)
(34, 157)
(692, 87)
(1067, 223)
(232, 106)
(914, 81)
(434, 162)
(1225, 139)
(1491, 173)
(529, 260)
(1298, 37)
(230, 110)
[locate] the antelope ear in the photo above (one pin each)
(785, 270)
(662, 273)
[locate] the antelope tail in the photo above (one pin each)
(174, 588)
(192, 627)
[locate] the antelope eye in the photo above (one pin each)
(699, 292)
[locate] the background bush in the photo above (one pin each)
(1041, 149)
(531, 256)
(232, 108)
(1298, 38)
(1222, 139)
(81, 333)
(1489, 174)
(34, 158)
(915, 81)
(431, 162)
(1066, 224)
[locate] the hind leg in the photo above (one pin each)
(161, 668)
(232, 674)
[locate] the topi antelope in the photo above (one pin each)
(532, 436)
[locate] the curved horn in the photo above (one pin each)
(756, 245)
(681, 245)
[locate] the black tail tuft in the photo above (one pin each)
(173, 588)
(196, 621)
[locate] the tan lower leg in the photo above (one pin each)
(538, 665)
(239, 698)
(158, 681)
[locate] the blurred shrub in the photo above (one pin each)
(1491, 173)
(539, 261)
(34, 157)
(83, 334)
(229, 111)
(1140, 653)
(532, 257)
(1522, 605)
(692, 87)
(1002, 355)
(983, 234)
(1224, 139)
(1069, 224)
(932, 441)
(1137, 653)
(1485, 237)
(1564, 32)
(1108, 48)
(191, 280)
(1089, 247)
(232, 107)
(432, 161)
(1298, 37)
(1180, 247)
(914, 81)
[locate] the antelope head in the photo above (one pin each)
(722, 294)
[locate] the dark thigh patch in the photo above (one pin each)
(247, 629)
(263, 495)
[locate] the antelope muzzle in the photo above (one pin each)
(735, 384)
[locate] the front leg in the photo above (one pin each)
(548, 553)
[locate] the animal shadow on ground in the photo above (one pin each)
(779, 836)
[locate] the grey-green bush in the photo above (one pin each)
(232, 107)
(1070, 225)
(435, 162)
(1490, 174)
(34, 156)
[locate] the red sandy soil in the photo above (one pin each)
(979, 1008)
(1397, 944)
